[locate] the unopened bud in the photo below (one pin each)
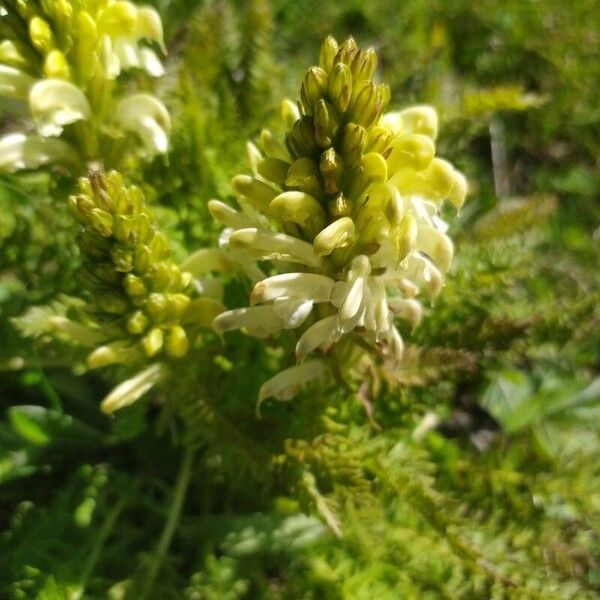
(299, 208)
(353, 143)
(301, 141)
(328, 52)
(152, 342)
(332, 169)
(346, 51)
(326, 123)
(41, 35)
(363, 65)
(340, 87)
(313, 88)
(177, 343)
(338, 234)
(303, 175)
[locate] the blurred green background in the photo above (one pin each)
(501, 499)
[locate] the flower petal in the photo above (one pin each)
(14, 83)
(338, 234)
(266, 245)
(260, 321)
(133, 388)
(55, 103)
(307, 286)
(146, 116)
(437, 245)
(324, 331)
(18, 151)
(286, 384)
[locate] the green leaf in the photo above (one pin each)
(31, 423)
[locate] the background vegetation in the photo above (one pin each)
(472, 473)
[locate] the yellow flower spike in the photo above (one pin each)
(299, 208)
(376, 185)
(414, 151)
(339, 234)
(56, 65)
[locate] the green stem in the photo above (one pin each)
(183, 481)
(103, 536)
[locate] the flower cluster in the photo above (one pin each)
(347, 211)
(142, 306)
(60, 62)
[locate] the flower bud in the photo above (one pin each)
(328, 52)
(353, 143)
(299, 208)
(331, 169)
(345, 54)
(152, 342)
(177, 343)
(56, 66)
(301, 141)
(313, 88)
(338, 234)
(326, 123)
(137, 323)
(303, 175)
(41, 35)
(340, 87)
(363, 65)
